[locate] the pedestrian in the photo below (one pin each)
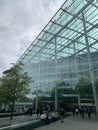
(62, 115)
(89, 112)
(54, 116)
(45, 117)
(47, 121)
(38, 110)
(82, 112)
(25, 110)
(73, 111)
(77, 111)
(30, 111)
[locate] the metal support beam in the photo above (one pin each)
(91, 67)
(38, 76)
(74, 15)
(93, 4)
(77, 14)
(76, 70)
(56, 100)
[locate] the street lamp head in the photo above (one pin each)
(7, 71)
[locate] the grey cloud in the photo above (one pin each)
(20, 23)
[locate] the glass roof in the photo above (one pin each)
(66, 29)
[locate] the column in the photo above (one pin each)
(56, 101)
(91, 67)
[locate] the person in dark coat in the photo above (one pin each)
(38, 111)
(30, 111)
(89, 112)
(62, 115)
(73, 111)
(82, 112)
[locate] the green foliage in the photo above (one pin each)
(43, 99)
(60, 88)
(84, 88)
(14, 85)
(60, 91)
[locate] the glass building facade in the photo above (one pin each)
(66, 49)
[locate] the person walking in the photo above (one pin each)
(38, 111)
(62, 115)
(73, 111)
(89, 112)
(77, 111)
(82, 112)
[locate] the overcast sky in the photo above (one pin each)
(20, 22)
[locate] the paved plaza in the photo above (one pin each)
(16, 120)
(72, 123)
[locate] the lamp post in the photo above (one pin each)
(7, 71)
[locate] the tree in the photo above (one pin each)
(84, 88)
(14, 85)
(43, 100)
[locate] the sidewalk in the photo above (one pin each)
(16, 120)
(72, 123)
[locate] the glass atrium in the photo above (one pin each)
(66, 49)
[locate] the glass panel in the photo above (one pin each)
(70, 41)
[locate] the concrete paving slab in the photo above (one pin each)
(16, 120)
(72, 123)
